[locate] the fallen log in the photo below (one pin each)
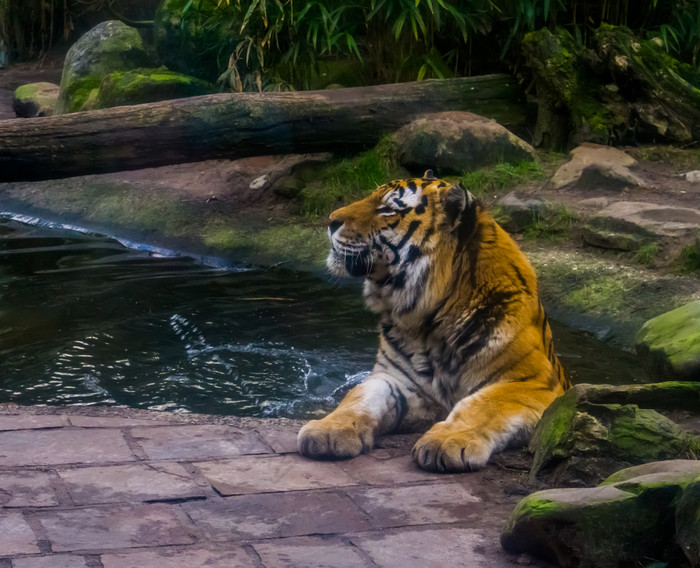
(235, 125)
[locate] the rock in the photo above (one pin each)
(583, 440)
(669, 344)
(692, 177)
(35, 99)
(514, 214)
(147, 86)
(628, 225)
(453, 142)
(625, 521)
(184, 44)
(108, 47)
(593, 166)
(688, 522)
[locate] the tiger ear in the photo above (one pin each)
(460, 210)
(429, 175)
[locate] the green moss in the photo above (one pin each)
(79, 91)
(148, 85)
(646, 253)
(350, 179)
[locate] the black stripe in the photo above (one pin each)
(400, 406)
(521, 278)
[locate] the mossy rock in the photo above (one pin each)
(669, 344)
(631, 517)
(195, 38)
(582, 440)
(455, 142)
(108, 47)
(147, 86)
(35, 99)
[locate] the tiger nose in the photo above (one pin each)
(334, 225)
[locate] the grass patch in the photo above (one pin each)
(501, 176)
(686, 158)
(646, 253)
(689, 260)
(350, 179)
(555, 223)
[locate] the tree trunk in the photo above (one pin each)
(627, 90)
(239, 125)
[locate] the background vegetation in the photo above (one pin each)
(286, 43)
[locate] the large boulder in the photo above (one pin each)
(593, 430)
(631, 517)
(593, 166)
(108, 47)
(669, 344)
(628, 225)
(190, 38)
(35, 99)
(515, 213)
(454, 142)
(147, 86)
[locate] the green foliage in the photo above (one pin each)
(501, 176)
(689, 260)
(555, 223)
(350, 179)
(646, 253)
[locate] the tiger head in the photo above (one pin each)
(393, 236)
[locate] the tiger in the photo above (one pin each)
(465, 347)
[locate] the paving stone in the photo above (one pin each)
(112, 422)
(30, 421)
(416, 504)
(16, 537)
(197, 442)
(179, 558)
(109, 528)
(309, 552)
(270, 474)
(49, 447)
(131, 482)
(27, 489)
(281, 441)
(380, 468)
(276, 515)
(52, 561)
(432, 548)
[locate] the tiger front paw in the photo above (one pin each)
(445, 450)
(334, 439)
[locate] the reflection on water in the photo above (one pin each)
(84, 320)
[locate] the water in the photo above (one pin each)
(86, 321)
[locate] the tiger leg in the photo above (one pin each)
(482, 423)
(379, 405)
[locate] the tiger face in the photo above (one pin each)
(386, 233)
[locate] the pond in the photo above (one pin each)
(90, 320)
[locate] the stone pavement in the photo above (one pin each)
(119, 488)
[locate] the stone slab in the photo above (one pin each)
(131, 482)
(380, 468)
(281, 441)
(271, 474)
(16, 536)
(417, 504)
(275, 515)
(30, 421)
(112, 421)
(116, 527)
(309, 552)
(431, 548)
(63, 446)
(27, 489)
(53, 561)
(197, 442)
(190, 557)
